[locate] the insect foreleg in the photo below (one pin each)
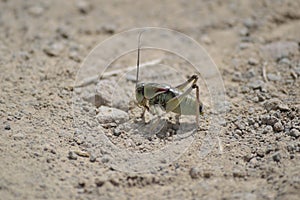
(193, 79)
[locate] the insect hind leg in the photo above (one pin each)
(193, 79)
(173, 103)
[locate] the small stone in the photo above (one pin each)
(63, 31)
(238, 132)
(285, 61)
(93, 157)
(283, 107)
(276, 157)
(267, 129)
(260, 153)
(256, 84)
(250, 73)
(18, 136)
(54, 49)
(207, 174)
(273, 77)
(72, 155)
(255, 99)
(74, 56)
(99, 182)
(195, 172)
(272, 120)
(237, 77)
(108, 28)
(251, 121)
(114, 182)
(253, 161)
(272, 104)
(264, 119)
(294, 133)
(82, 153)
(108, 115)
(249, 23)
(7, 127)
(205, 39)
(117, 132)
(244, 32)
(83, 6)
(105, 159)
(36, 10)
(278, 127)
(238, 174)
(253, 61)
(244, 45)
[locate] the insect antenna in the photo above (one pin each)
(138, 59)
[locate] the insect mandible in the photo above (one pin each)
(170, 99)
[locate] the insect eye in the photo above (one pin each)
(140, 94)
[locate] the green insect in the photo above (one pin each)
(170, 99)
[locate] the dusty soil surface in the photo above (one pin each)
(50, 149)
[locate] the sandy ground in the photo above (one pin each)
(49, 153)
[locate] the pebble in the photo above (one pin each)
(7, 127)
(105, 159)
(238, 172)
(108, 115)
(244, 45)
(283, 107)
(107, 29)
(273, 77)
(250, 73)
(93, 157)
(18, 136)
(54, 49)
(195, 172)
(268, 129)
(278, 127)
(63, 31)
(253, 61)
(36, 10)
(276, 157)
(256, 84)
(238, 132)
(244, 32)
(72, 155)
(74, 55)
(83, 6)
(205, 39)
(99, 182)
(272, 104)
(117, 132)
(249, 23)
(285, 61)
(294, 133)
(82, 153)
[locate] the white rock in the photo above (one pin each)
(108, 115)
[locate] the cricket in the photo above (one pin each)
(176, 99)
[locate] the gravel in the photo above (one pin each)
(278, 127)
(280, 49)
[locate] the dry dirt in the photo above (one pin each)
(49, 153)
